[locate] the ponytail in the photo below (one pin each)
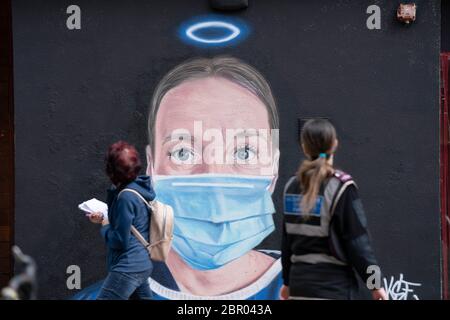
(318, 139)
(311, 174)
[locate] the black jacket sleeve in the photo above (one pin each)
(285, 255)
(350, 222)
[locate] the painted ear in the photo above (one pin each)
(149, 157)
(276, 162)
(275, 166)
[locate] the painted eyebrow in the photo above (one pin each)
(179, 137)
(249, 133)
(246, 133)
(184, 136)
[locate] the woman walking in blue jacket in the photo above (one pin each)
(129, 265)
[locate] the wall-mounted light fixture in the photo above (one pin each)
(406, 13)
(228, 5)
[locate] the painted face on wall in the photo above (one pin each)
(213, 125)
(215, 161)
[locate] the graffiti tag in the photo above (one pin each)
(400, 289)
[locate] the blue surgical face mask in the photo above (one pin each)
(218, 218)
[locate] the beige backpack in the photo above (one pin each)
(161, 228)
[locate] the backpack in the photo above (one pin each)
(161, 228)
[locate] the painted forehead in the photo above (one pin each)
(215, 100)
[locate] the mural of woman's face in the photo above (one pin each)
(212, 125)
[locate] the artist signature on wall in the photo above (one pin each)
(400, 289)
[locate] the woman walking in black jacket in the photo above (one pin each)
(325, 236)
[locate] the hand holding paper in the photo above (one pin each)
(94, 205)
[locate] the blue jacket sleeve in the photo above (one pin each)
(117, 235)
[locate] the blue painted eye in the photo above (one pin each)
(244, 154)
(182, 155)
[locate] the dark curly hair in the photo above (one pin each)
(122, 163)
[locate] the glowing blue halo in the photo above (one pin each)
(235, 31)
(213, 31)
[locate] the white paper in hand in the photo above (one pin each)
(94, 205)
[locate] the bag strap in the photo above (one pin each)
(138, 194)
(135, 232)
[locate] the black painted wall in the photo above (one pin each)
(78, 91)
(445, 26)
